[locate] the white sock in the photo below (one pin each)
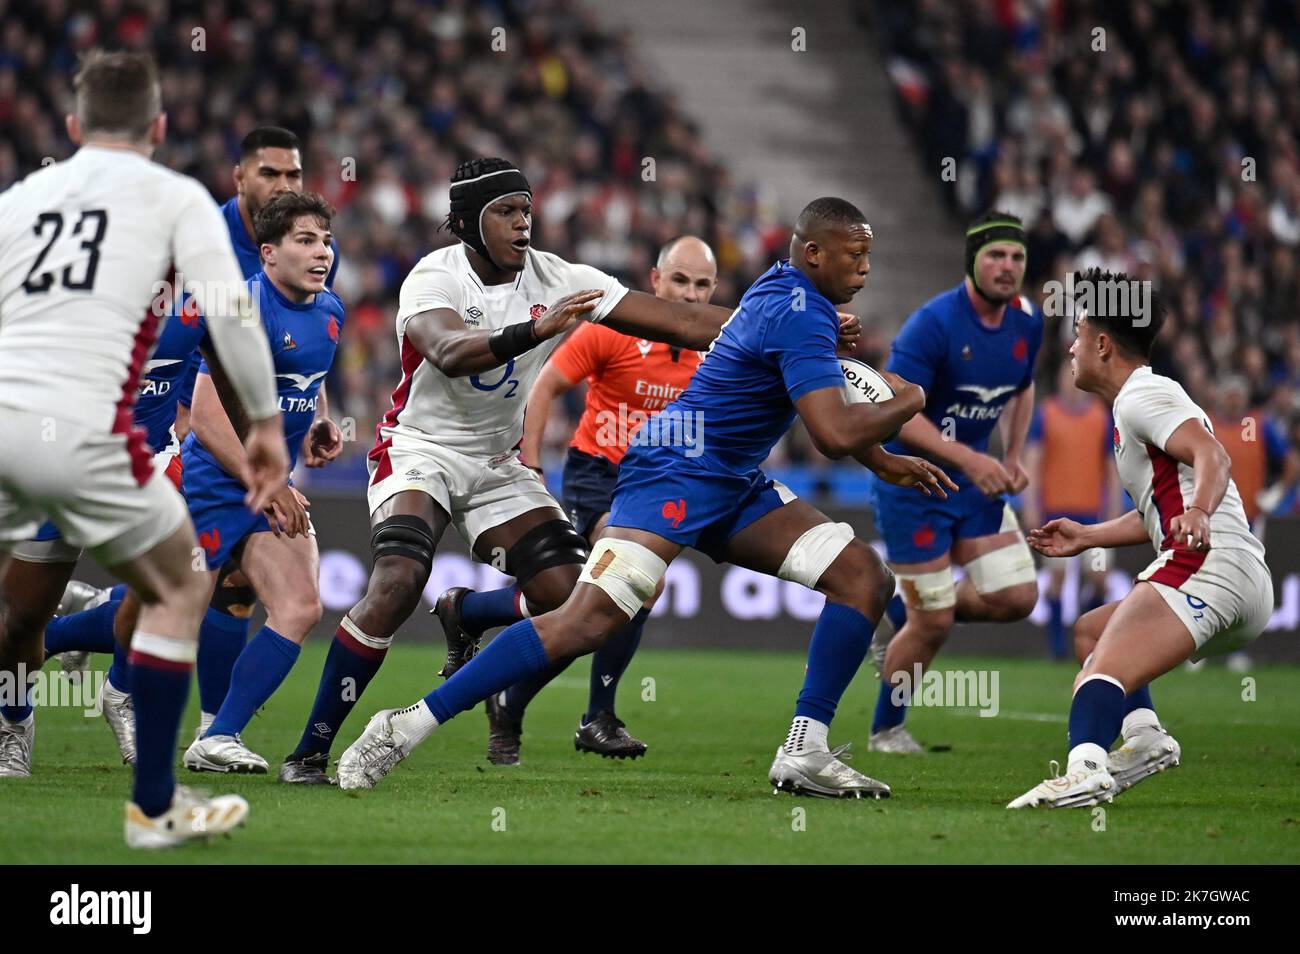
(416, 722)
(806, 735)
(1139, 719)
(1085, 752)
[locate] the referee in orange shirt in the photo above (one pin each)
(1071, 463)
(628, 381)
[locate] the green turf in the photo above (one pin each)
(701, 793)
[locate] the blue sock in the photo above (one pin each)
(347, 659)
(510, 657)
(88, 631)
(258, 672)
(888, 714)
(1096, 713)
(161, 688)
(897, 611)
(17, 713)
(521, 693)
(119, 674)
(221, 640)
(480, 612)
(610, 661)
(1055, 628)
(840, 641)
(1139, 699)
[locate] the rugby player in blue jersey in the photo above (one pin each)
(275, 550)
(774, 359)
(93, 620)
(972, 349)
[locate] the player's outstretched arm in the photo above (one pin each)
(839, 429)
(443, 340)
(679, 323)
(1064, 537)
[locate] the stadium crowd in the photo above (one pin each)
(1162, 139)
(388, 98)
(1170, 158)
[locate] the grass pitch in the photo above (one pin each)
(701, 794)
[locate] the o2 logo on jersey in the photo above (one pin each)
(1196, 604)
(481, 385)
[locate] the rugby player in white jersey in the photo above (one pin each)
(1207, 592)
(475, 323)
(83, 244)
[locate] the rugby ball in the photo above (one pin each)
(863, 384)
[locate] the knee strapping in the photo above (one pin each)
(549, 544)
(935, 590)
(1006, 566)
(814, 551)
(404, 535)
(628, 572)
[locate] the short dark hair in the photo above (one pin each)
(275, 219)
(1133, 329)
(268, 137)
(828, 212)
(117, 93)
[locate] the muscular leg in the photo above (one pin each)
(365, 633)
(544, 591)
(285, 569)
(222, 638)
(578, 627)
(1142, 639)
(1056, 619)
(857, 587)
(926, 630)
(1139, 710)
(1005, 605)
(30, 594)
(162, 655)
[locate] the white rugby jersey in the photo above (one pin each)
(481, 415)
(1147, 411)
(83, 244)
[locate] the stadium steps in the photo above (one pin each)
(804, 124)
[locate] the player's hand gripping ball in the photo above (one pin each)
(863, 384)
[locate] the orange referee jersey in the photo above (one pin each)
(1076, 446)
(628, 380)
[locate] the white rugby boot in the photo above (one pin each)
(118, 709)
(822, 774)
(16, 742)
(78, 597)
(896, 740)
(1150, 749)
(193, 815)
(375, 752)
(205, 722)
(1086, 785)
(223, 753)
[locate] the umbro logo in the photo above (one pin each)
(473, 315)
(323, 729)
(414, 475)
